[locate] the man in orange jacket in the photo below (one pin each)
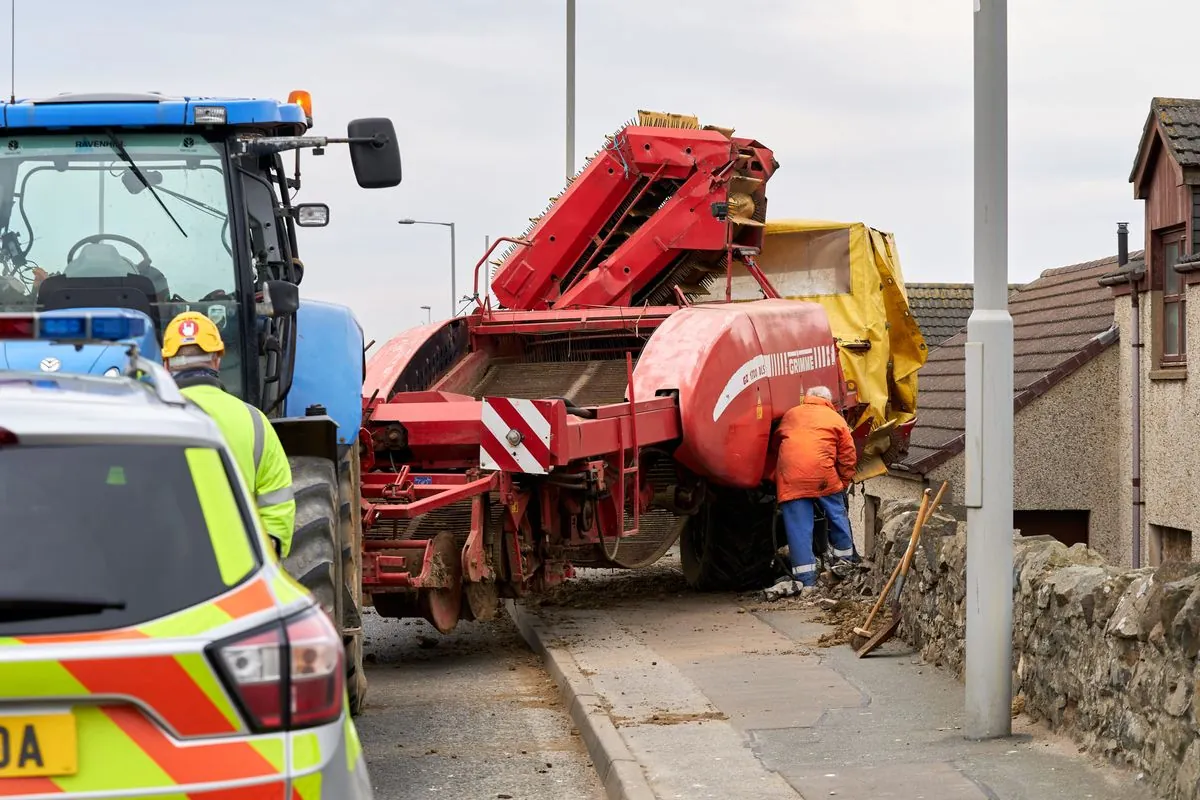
(817, 462)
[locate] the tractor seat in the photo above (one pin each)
(101, 260)
(135, 292)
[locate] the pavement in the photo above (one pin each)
(686, 695)
(472, 715)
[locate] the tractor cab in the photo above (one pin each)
(163, 205)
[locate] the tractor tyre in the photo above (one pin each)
(350, 538)
(729, 544)
(315, 557)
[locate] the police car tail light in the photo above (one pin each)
(318, 673)
(302, 660)
(253, 668)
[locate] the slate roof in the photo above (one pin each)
(1179, 121)
(1060, 322)
(941, 309)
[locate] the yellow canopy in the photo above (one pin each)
(852, 270)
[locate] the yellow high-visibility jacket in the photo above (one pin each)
(259, 456)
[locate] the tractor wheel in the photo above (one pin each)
(729, 544)
(350, 538)
(314, 558)
(317, 556)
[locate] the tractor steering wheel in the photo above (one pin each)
(96, 238)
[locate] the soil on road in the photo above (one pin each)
(471, 715)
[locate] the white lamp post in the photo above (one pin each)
(453, 288)
(988, 493)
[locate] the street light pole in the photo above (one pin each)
(453, 276)
(570, 88)
(988, 493)
(453, 267)
(428, 314)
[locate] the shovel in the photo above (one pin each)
(899, 574)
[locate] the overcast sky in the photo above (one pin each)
(866, 103)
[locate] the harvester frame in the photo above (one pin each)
(502, 449)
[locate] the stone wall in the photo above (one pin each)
(1104, 654)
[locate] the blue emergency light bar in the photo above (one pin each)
(74, 329)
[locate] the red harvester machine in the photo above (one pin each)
(611, 406)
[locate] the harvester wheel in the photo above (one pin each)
(482, 601)
(350, 538)
(729, 544)
(442, 605)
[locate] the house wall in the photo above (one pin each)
(1170, 446)
(1066, 458)
(1168, 202)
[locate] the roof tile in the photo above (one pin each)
(1179, 120)
(941, 309)
(1060, 321)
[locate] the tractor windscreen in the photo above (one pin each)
(143, 224)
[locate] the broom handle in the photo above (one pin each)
(905, 566)
(912, 550)
(878, 603)
(887, 586)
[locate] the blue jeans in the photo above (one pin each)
(798, 522)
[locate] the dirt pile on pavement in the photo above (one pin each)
(843, 605)
(602, 588)
(846, 606)
(845, 616)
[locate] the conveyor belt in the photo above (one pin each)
(584, 383)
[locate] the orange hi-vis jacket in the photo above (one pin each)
(816, 452)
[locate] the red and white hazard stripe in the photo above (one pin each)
(515, 436)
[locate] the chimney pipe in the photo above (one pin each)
(1122, 243)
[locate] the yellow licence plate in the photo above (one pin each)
(38, 746)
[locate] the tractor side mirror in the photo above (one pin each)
(311, 215)
(279, 299)
(374, 152)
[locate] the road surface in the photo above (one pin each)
(472, 715)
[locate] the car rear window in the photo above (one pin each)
(155, 527)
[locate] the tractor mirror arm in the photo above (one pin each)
(374, 150)
(270, 145)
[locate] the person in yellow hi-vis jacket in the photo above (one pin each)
(192, 350)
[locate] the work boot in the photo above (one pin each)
(784, 587)
(842, 568)
(812, 593)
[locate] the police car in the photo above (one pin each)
(151, 645)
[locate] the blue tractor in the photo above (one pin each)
(167, 204)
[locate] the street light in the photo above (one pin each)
(450, 225)
(988, 490)
(570, 89)
(428, 314)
